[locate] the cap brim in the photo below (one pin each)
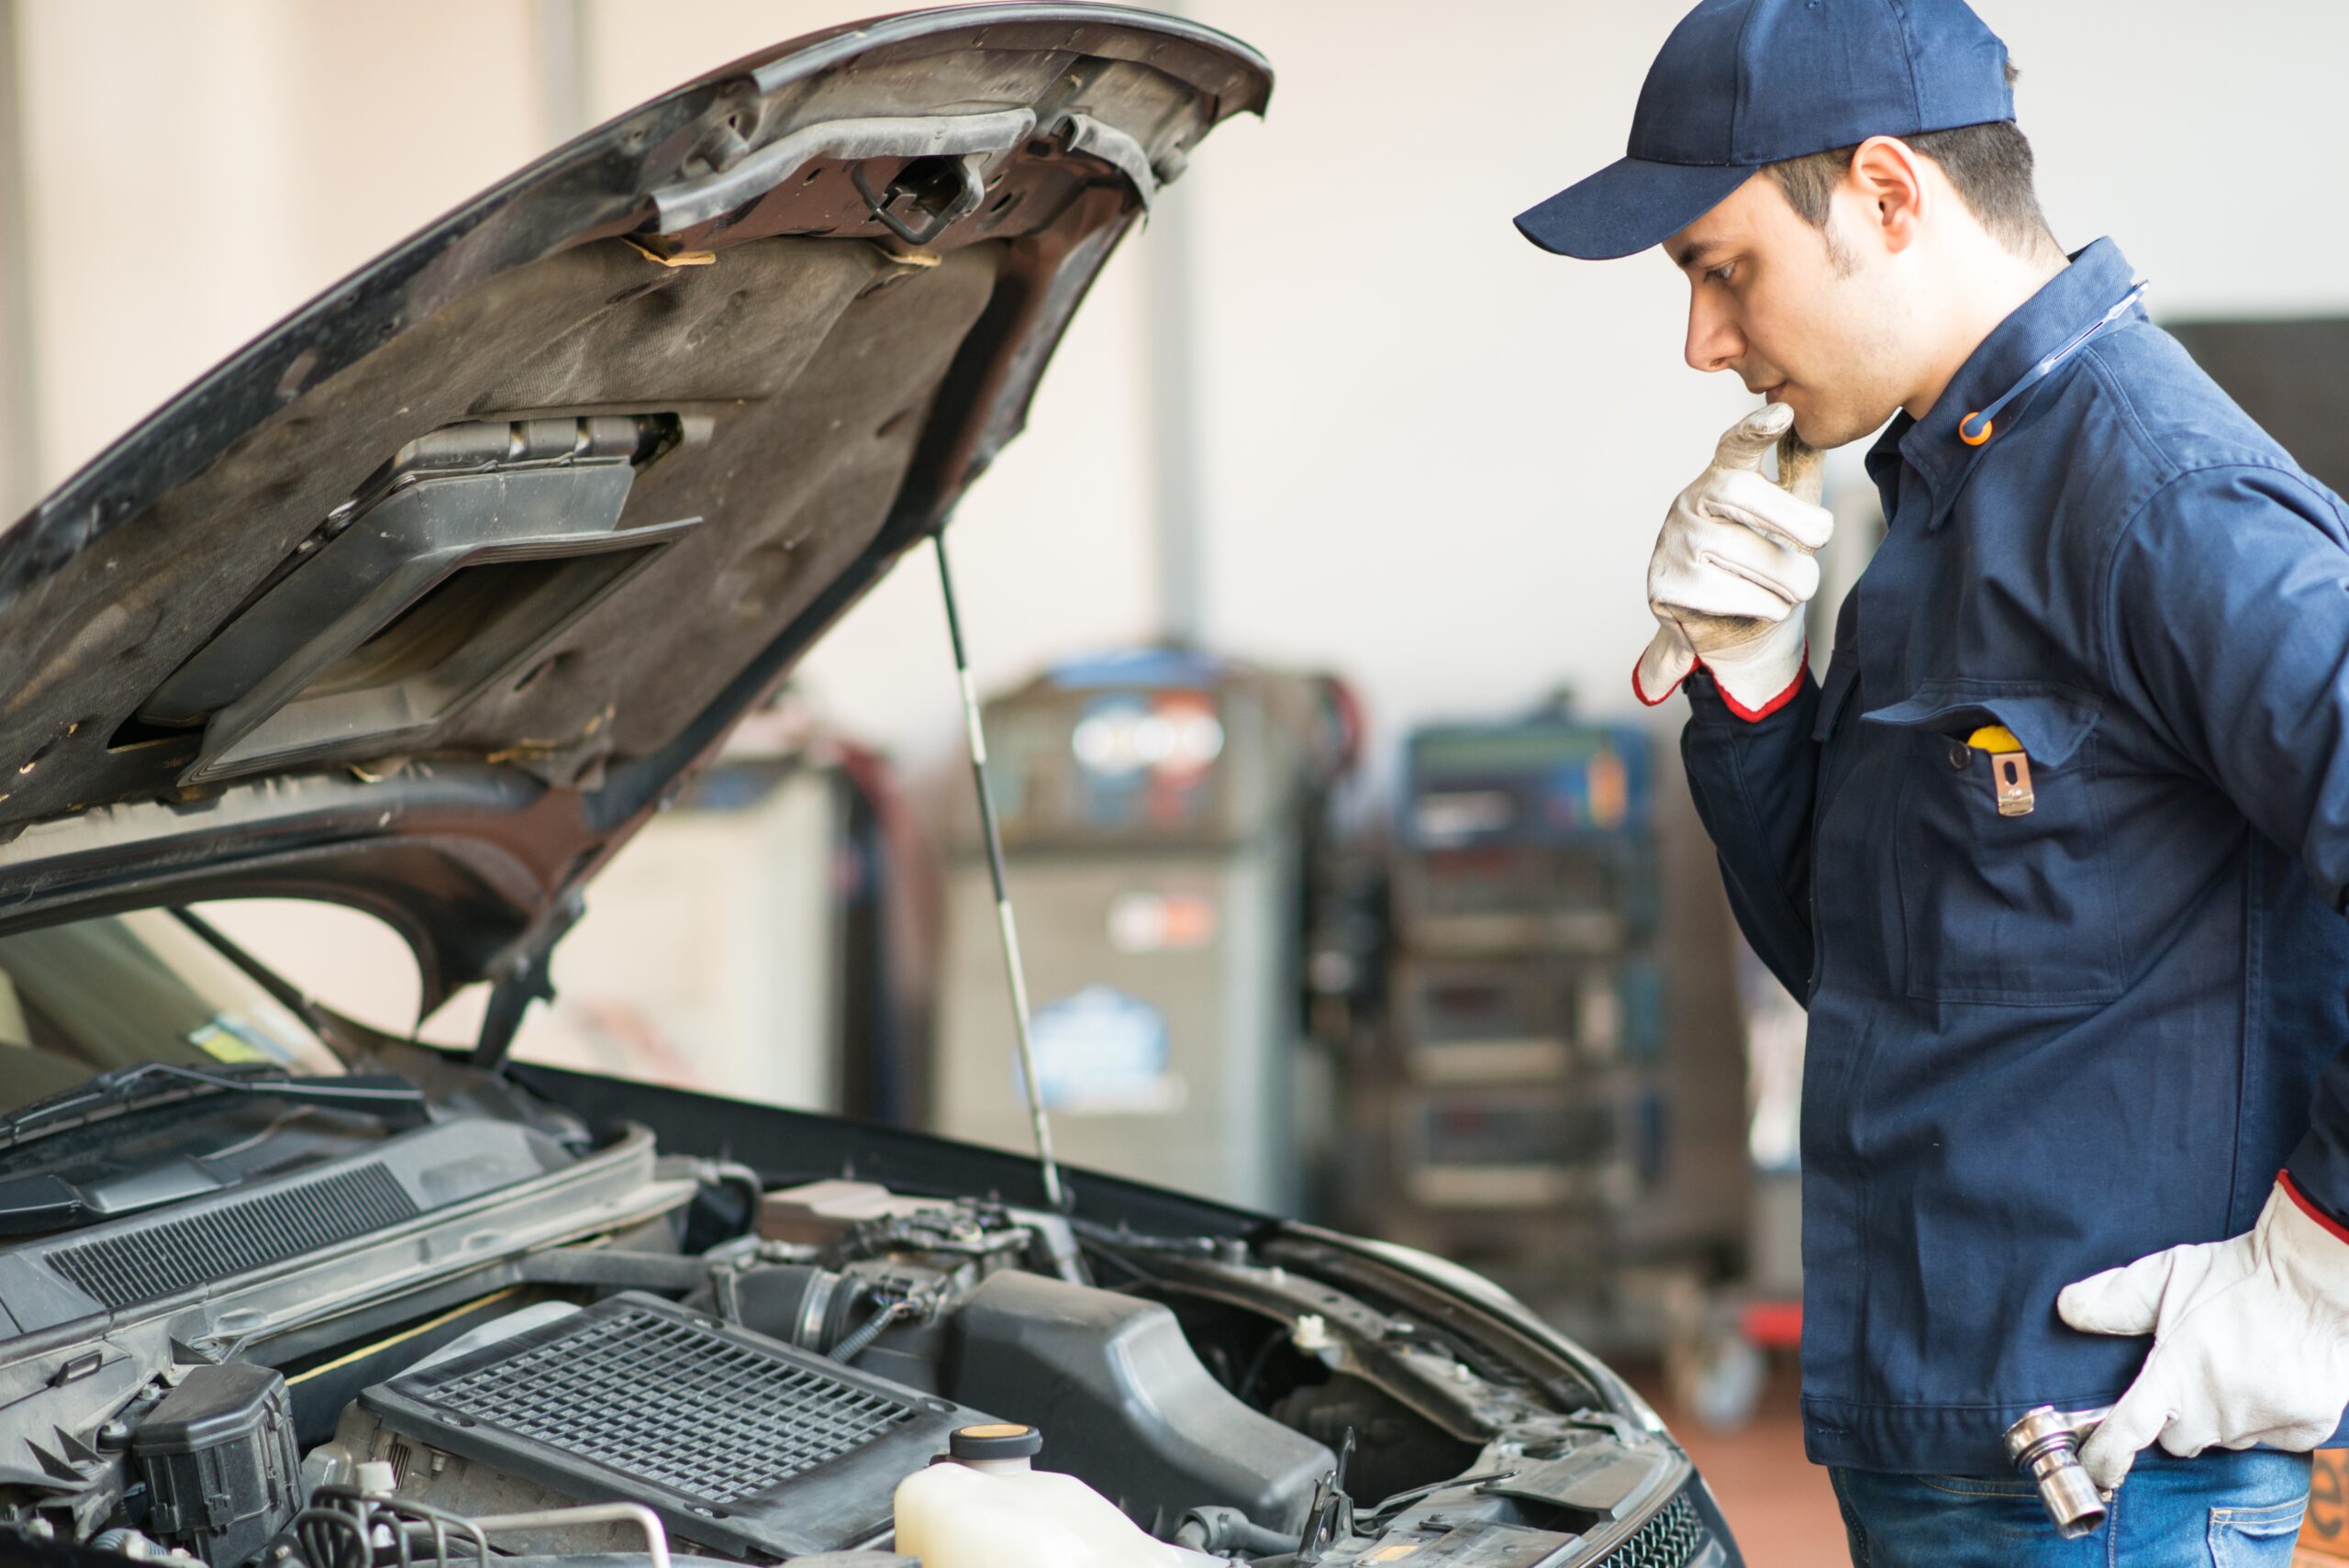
(1627, 206)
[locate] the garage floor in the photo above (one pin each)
(1778, 1502)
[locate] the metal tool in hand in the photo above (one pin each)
(1801, 474)
(2044, 1446)
(1801, 470)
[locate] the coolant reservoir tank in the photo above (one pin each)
(983, 1506)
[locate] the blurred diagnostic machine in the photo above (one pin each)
(1528, 1101)
(1161, 813)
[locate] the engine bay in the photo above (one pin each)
(488, 1337)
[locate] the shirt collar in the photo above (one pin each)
(2065, 303)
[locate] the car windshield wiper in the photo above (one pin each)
(384, 1096)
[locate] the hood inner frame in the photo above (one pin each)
(845, 386)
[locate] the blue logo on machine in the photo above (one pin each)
(1103, 1051)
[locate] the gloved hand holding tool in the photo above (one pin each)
(1733, 570)
(2251, 1339)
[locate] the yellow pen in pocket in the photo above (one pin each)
(2009, 769)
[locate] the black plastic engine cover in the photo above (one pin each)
(1124, 1404)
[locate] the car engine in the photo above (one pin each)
(476, 1343)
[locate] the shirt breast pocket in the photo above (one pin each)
(2008, 909)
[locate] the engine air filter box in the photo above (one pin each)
(1125, 1404)
(222, 1468)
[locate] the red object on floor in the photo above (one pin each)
(1772, 1325)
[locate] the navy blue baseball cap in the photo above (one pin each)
(1744, 83)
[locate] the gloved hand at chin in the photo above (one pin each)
(1731, 571)
(2251, 1339)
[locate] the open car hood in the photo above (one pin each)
(426, 599)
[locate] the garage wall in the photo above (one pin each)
(1440, 456)
(196, 171)
(1425, 454)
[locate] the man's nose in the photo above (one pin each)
(1714, 343)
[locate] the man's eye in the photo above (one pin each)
(1720, 274)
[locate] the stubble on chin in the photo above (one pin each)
(1824, 429)
(1826, 432)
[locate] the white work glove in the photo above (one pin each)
(2251, 1339)
(1730, 574)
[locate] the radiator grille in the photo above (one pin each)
(1671, 1538)
(146, 1265)
(683, 1405)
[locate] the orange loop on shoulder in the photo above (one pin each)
(1970, 437)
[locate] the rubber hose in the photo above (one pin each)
(1215, 1528)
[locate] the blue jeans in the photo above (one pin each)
(2222, 1510)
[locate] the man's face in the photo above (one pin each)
(1811, 319)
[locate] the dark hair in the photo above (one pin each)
(1989, 164)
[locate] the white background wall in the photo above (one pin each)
(1429, 455)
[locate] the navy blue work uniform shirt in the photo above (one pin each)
(2046, 1044)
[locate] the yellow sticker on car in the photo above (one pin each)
(222, 1043)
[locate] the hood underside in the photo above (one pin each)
(427, 598)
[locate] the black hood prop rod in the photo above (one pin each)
(1054, 1194)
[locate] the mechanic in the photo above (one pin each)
(2056, 853)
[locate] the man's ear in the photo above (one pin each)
(1887, 177)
